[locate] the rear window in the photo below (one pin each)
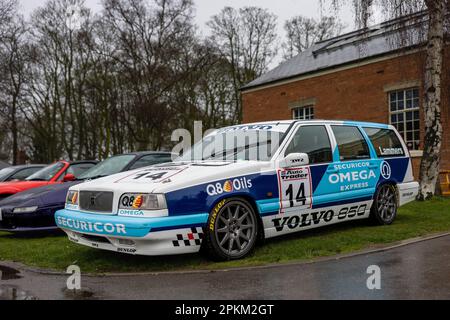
(385, 142)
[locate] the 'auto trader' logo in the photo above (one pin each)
(386, 170)
(229, 186)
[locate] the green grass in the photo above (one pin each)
(56, 252)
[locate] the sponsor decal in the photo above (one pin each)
(132, 213)
(212, 220)
(153, 175)
(409, 194)
(386, 170)
(316, 217)
(138, 201)
(294, 174)
(247, 128)
(132, 205)
(95, 227)
(71, 206)
(126, 250)
(74, 198)
(193, 238)
(352, 176)
(391, 151)
(294, 186)
(229, 186)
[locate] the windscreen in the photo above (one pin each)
(47, 173)
(108, 167)
(244, 142)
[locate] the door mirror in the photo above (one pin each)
(295, 160)
(68, 177)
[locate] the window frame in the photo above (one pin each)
(294, 132)
(396, 134)
(403, 133)
(311, 112)
(363, 138)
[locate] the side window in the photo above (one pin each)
(77, 169)
(314, 141)
(385, 142)
(24, 173)
(151, 160)
(351, 143)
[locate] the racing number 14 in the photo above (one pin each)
(300, 198)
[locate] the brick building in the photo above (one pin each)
(363, 75)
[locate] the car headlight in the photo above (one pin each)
(72, 198)
(25, 209)
(138, 201)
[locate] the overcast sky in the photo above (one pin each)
(284, 9)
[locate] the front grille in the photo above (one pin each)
(98, 201)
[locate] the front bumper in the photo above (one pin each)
(140, 236)
(40, 220)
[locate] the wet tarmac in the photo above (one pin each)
(416, 271)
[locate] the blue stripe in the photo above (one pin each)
(268, 205)
(337, 203)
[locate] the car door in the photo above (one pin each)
(296, 185)
(353, 175)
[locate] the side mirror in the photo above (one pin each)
(68, 177)
(295, 160)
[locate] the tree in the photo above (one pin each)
(437, 18)
(303, 32)
(247, 40)
(12, 67)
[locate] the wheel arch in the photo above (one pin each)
(392, 183)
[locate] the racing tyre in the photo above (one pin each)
(232, 230)
(384, 208)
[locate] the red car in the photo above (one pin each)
(57, 172)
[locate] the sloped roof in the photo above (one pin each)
(349, 48)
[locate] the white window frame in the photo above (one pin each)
(403, 133)
(305, 112)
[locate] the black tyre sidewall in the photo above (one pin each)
(211, 246)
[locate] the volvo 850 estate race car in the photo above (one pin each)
(244, 183)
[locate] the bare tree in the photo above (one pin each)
(247, 39)
(436, 20)
(303, 32)
(12, 69)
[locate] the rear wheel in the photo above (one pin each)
(232, 230)
(384, 208)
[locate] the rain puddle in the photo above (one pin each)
(13, 293)
(7, 273)
(83, 294)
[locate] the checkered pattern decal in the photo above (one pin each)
(193, 238)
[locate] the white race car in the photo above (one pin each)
(244, 183)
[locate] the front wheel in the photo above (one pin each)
(232, 230)
(384, 208)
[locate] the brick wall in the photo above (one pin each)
(353, 94)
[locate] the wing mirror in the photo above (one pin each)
(68, 177)
(295, 160)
